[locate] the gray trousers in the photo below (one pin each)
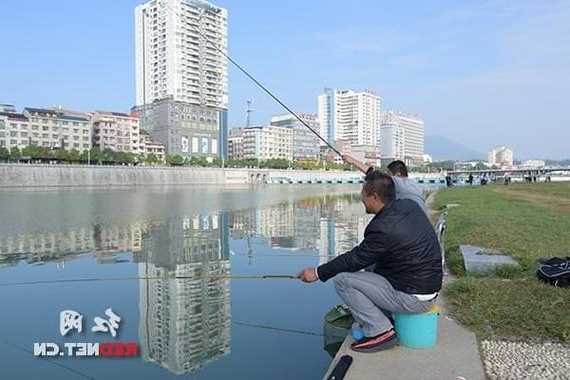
(370, 298)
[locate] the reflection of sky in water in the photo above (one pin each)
(201, 326)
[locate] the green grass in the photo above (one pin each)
(527, 222)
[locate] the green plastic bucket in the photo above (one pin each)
(417, 330)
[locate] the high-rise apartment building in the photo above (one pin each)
(350, 116)
(327, 114)
(401, 137)
(185, 323)
(501, 156)
(182, 76)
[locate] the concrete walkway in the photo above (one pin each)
(456, 356)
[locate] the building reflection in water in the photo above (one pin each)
(327, 225)
(105, 241)
(186, 323)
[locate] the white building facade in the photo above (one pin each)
(501, 156)
(305, 144)
(350, 116)
(401, 137)
(55, 129)
(117, 131)
(182, 75)
(268, 142)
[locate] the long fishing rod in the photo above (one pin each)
(260, 85)
(101, 279)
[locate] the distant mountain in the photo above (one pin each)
(441, 148)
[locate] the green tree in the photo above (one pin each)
(480, 166)
(139, 158)
(62, 155)
(74, 156)
(15, 153)
(108, 156)
(175, 160)
(4, 154)
(151, 159)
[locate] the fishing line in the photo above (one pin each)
(99, 279)
(276, 328)
(259, 84)
(60, 365)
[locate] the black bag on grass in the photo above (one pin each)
(555, 271)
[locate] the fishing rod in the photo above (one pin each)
(260, 85)
(101, 279)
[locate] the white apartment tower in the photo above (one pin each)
(182, 74)
(501, 156)
(350, 116)
(401, 137)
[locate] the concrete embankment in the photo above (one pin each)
(31, 175)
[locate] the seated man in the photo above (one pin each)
(407, 276)
(405, 189)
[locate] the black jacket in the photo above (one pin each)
(402, 243)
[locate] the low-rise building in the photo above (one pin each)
(117, 131)
(235, 144)
(57, 129)
(305, 144)
(148, 146)
(534, 164)
(14, 130)
(268, 142)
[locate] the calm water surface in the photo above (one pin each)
(199, 327)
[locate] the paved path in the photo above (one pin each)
(456, 356)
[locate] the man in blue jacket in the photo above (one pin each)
(407, 274)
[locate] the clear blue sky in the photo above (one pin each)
(480, 72)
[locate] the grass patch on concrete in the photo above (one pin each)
(527, 222)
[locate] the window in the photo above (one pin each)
(214, 146)
(204, 145)
(194, 144)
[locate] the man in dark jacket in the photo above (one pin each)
(407, 275)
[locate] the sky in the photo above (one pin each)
(482, 73)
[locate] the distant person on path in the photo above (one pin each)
(405, 188)
(448, 181)
(402, 245)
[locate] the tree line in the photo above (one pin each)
(96, 156)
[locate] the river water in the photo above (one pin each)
(130, 243)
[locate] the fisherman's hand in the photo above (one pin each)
(349, 159)
(308, 275)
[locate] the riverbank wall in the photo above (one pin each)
(35, 175)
